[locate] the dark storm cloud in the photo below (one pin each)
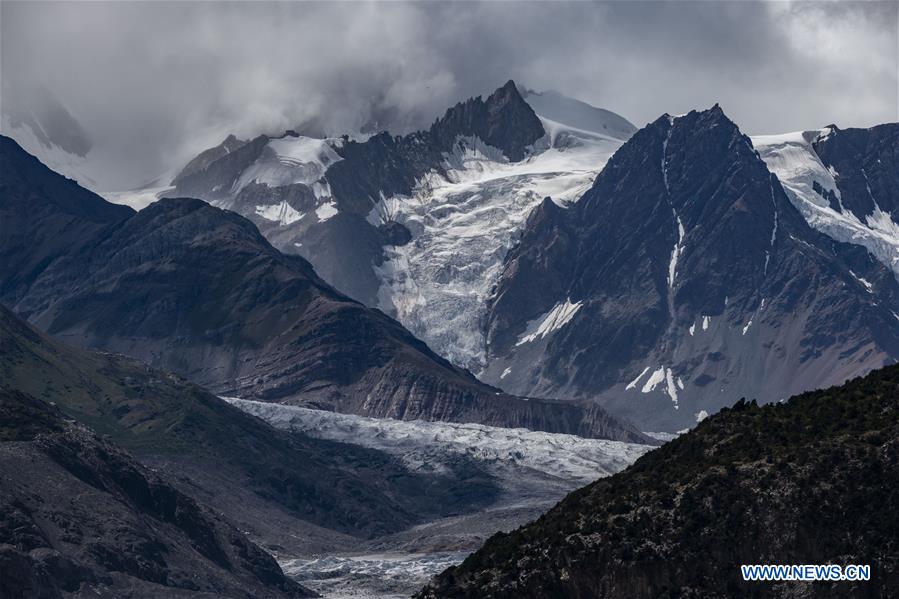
(154, 83)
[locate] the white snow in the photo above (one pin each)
(292, 160)
(82, 169)
(550, 322)
(659, 376)
(701, 415)
(430, 445)
(634, 382)
(868, 286)
(281, 213)
(797, 166)
(672, 388)
(326, 211)
(676, 252)
(692, 329)
(464, 224)
(370, 576)
(555, 106)
(705, 323)
(506, 372)
(746, 328)
(654, 379)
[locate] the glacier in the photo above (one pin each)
(533, 469)
(464, 223)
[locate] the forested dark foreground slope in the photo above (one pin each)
(811, 480)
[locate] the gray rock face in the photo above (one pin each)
(683, 279)
(197, 290)
(77, 514)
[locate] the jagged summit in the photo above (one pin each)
(504, 121)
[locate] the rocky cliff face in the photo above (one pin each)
(197, 290)
(808, 481)
(78, 515)
(683, 277)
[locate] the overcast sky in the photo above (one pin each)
(153, 83)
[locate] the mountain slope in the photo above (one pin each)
(78, 515)
(43, 218)
(812, 480)
(682, 277)
(844, 182)
(188, 433)
(197, 290)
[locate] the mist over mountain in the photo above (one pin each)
(150, 103)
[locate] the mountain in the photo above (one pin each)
(222, 453)
(418, 225)
(844, 182)
(683, 277)
(79, 515)
(808, 481)
(197, 290)
(43, 218)
(308, 195)
(36, 118)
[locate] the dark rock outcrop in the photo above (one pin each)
(390, 165)
(810, 481)
(77, 514)
(864, 162)
(216, 178)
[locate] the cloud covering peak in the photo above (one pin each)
(154, 83)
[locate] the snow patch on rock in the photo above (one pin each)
(560, 315)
